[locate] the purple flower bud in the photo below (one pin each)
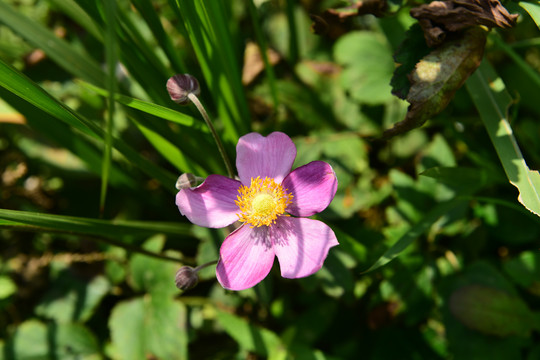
(186, 278)
(180, 86)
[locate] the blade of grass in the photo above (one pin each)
(146, 9)
(98, 227)
(65, 137)
(531, 73)
(293, 34)
(74, 11)
(111, 55)
(75, 62)
(206, 25)
(263, 48)
(26, 89)
(415, 231)
(492, 100)
(151, 109)
(106, 231)
(20, 85)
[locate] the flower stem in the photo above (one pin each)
(195, 100)
(200, 267)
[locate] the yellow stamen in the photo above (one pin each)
(262, 202)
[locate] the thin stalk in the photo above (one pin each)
(195, 100)
(200, 267)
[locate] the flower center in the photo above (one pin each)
(262, 202)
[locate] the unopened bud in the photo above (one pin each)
(187, 180)
(186, 278)
(180, 86)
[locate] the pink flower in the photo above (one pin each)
(266, 195)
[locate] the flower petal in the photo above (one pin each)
(301, 245)
(246, 257)
(270, 156)
(210, 204)
(312, 186)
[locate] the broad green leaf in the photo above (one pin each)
(460, 179)
(33, 340)
(524, 270)
(7, 286)
(249, 337)
(78, 63)
(68, 299)
(533, 9)
(149, 327)
(492, 101)
(109, 229)
(368, 66)
(153, 275)
(491, 311)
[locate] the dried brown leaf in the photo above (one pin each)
(439, 18)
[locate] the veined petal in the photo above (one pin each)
(270, 156)
(312, 186)
(301, 245)
(211, 204)
(246, 257)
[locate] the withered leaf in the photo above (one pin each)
(438, 76)
(332, 22)
(441, 17)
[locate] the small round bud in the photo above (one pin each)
(180, 86)
(186, 278)
(187, 180)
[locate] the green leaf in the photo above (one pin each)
(533, 9)
(492, 101)
(150, 274)
(460, 179)
(149, 327)
(249, 337)
(7, 286)
(368, 66)
(524, 271)
(34, 340)
(491, 311)
(69, 299)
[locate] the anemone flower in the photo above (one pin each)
(272, 203)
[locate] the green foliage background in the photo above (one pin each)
(437, 259)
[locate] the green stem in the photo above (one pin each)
(200, 267)
(195, 100)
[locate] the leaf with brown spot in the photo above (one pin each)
(438, 76)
